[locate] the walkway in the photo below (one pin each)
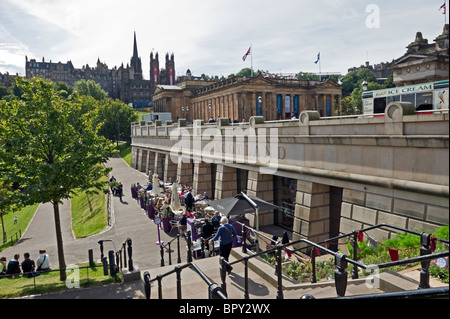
(129, 221)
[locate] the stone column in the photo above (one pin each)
(142, 164)
(159, 165)
(202, 178)
(150, 162)
(312, 212)
(170, 167)
(184, 171)
(226, 182)
(261, 186)
(134, 156)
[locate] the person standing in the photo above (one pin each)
(225, 233)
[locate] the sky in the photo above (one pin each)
(211, 36)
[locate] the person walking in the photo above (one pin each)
(225, 233)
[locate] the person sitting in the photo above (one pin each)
(13, 266)
(215, 220)
(3, 266)
(207, 230)
(28, 265)
(149, 186)
(205, 196)
(183, 223)
(43, 261)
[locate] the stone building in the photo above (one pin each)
(125, 83)
(380, 71)
(423, 62)
(239, 98)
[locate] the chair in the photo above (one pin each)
(174, 224)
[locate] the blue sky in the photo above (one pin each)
(211, 36)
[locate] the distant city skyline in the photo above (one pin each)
(211, 37)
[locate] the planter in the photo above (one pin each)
(134, 193)
(166, 224)
(150, 212)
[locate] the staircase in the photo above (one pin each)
(263, 282)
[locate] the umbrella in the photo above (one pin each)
(238, 205)
(175, 202)
(156, 189)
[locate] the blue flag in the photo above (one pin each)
(318, 58)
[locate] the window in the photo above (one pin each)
(424, 101)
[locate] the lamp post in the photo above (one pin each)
(187, 113)
(364, 85)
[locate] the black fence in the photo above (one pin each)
(341, 262)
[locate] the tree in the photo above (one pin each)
(50, 148)
(116, 117)
(308, 76)
(7, 203)
(90, 88)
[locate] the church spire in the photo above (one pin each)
(136, 61)
(135, 52)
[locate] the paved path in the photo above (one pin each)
(129, 221)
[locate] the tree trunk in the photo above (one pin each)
(59, 241)
(3, 229)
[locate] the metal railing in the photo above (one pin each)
(214, 291)
(341, 262)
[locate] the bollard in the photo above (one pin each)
(130, 253)
(147, 286)
(189, 244)
(279, 273)
(425, 240)
(340, 275)
(112, 266)
(91, 257)
(101, 249)
(161, 251)
(105, 266)
(178, 249)
(244, 238)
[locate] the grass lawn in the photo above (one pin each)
(77, 277)
(89, 214)
(125, 152)
(24, 217)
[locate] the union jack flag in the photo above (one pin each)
(443, 7)
(247, 54)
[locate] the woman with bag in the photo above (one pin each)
(226, 233)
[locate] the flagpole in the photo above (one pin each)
(251, 58)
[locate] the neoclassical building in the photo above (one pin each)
(423, 61)
(240, 98)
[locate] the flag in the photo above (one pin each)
(318, 58)
(443, 7)
(245, 56)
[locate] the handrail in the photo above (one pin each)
(341, 262)
(213, 289)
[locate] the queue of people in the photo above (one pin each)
(28, 267)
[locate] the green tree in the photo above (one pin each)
(308, 76)
(7, 202)
(50, 148)
(90, 88)
(116, 118)
(64, 87)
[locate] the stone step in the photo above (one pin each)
(263, 282)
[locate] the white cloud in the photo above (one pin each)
(211, 36)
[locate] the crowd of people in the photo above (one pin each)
(214, 228)
(28, 267)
